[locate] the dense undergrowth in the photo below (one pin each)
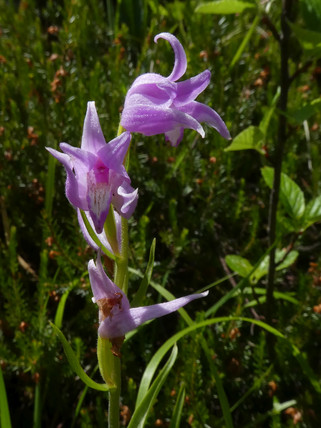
(201, 202)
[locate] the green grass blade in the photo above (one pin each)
(61, 306)
(212, 310)
(177, 412)
(158, 356)
(75, 365)
(141, 411)
(4, 407)
(225, 406)
(37, 407)
(245, 41)
(141, 292)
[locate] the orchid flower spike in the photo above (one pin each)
(156, 104)
(116, 318)
(96, 176)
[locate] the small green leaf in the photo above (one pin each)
(263, 267)
(309, 40)
(224, 7)
(250, 138)
(291, 195)
(74, 363)
(306, 111)
(141, 292)
(140, 414)
(239, 265)
(312, 213)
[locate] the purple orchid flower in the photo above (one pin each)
(156, 104)
(116, 318)
(96, 176)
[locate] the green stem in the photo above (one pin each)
(279, 152)
(121, 273)
(37, 407)
(109, 366)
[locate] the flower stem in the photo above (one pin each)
(109, 366)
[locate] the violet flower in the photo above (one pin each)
(116, 318)
(156, 104)
(96, 176)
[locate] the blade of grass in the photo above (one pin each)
(75, 365)
(141, 411)
(245, 41)
(4, 407)
(177, 412)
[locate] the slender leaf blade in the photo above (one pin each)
(141, 411)
(4, 407)
(177, 412)
(245, 41)
(141, 292)
(75, 365)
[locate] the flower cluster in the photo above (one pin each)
(97, 181)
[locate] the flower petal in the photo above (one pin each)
(99, 198)
(75, 191)
(125, 199)
(101, 236)
(203, 113)
(180, 64)
(153, 120)
(92, 136)
(102, 286)
(154, 87)
(188, 90)
(124, 321)
(175, 136)
(113, 153)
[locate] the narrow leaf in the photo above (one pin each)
(291, 195)
(61, 306)
(224, 7)
(75, 365)
(177, 412)
(250, 138)
(264, 124)
(141, 292)
(4, 407)
(245, 41)
(141, 411)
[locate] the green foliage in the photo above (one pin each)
(206, 206)
(223, 7)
